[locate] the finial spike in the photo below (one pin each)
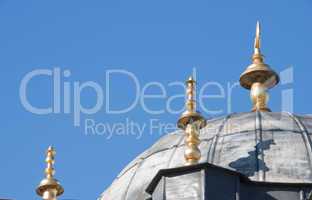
(257, 38)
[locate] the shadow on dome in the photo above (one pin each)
(245, 164)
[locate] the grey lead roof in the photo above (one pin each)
(272, 147)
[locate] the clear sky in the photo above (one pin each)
(153, 41)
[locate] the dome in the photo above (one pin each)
(264, 146)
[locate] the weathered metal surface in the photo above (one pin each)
(272, 147)
(209, 182)
(185, 186)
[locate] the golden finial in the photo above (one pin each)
(259, 77)
(49, 188)
(191, 121)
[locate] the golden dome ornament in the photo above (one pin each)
(259, 77)
(191, 122)
(49, 188)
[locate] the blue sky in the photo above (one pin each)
(156, 41)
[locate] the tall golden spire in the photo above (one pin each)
(191, 121)
(259, 77)
(49, 188)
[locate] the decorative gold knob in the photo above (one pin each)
(259, 97)
(192, 153)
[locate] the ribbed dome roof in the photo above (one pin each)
(272, 147)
